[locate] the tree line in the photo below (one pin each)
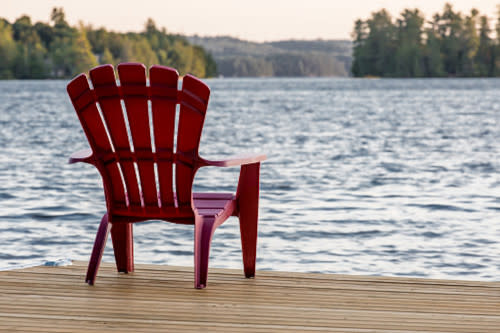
(451, 44)
(57, 50)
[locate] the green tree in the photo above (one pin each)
(360, 50)
(45, 32)
(470, 44)
(8, 51)
(107, 57)
(484, 59)
(409, 55)
(433, 62)
(381, 44)
(22, 28)
(140, 51)
(82, 57)
(197, 66)
(58, 17)
(182, 56)
(30, 60)
(450, 27)
(72, 55)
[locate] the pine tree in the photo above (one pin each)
(484, 59)
(409, 58)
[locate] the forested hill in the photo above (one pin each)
(235, 57)
(56, 50)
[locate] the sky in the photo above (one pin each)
(255, 20)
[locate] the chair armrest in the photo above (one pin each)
(243, 159)
(81, 156)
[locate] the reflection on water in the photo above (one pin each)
(393, 177)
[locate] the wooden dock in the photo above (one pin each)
(162, 299)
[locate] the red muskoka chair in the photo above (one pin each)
(138, 177)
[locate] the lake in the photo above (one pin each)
(377, 177)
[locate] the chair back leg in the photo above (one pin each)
(99, 244)
(123, 246)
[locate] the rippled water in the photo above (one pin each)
(391, 177)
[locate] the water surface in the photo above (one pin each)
(385, 177)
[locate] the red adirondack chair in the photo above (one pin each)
(137, 171)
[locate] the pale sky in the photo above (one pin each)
(256, 20)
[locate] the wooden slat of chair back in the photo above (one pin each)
(193, 106)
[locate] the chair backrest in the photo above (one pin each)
(130, 127)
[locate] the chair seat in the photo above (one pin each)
(205, 204)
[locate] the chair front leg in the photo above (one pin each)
(248, 204)
(123, 246)
(203, 231)
(98, 250)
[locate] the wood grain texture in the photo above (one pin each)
(161, 298)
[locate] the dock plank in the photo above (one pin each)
(162, 298)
